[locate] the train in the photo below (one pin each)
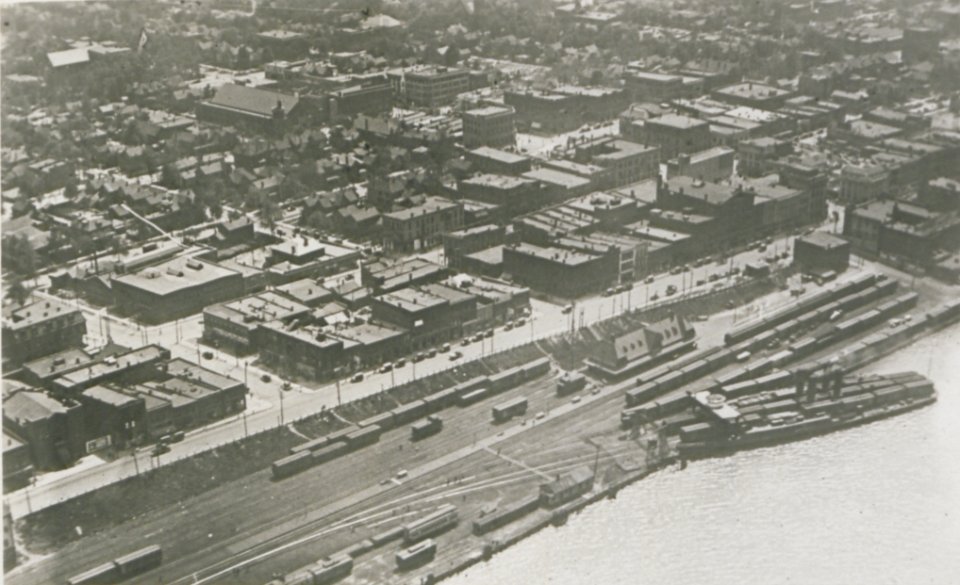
(121, 568)
(507, 410)
(801, 307)
(425, 428)
(368, 431)
(441, 520)
(416, 555)
(323, 572)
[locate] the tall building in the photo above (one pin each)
(863, 183)
(429, 86)
(489, 126)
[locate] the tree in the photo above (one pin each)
(269, 211)
(19, 254)
(70, 189)
(19, 292)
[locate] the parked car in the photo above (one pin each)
(400, 363)
(386, 368)
(649, 279)
(519, 322)
(566, 309)
(266, 378)
(432, 352)
(465, 341)
(445, 348)
(357, 378)
(455, 356)
(488, 333)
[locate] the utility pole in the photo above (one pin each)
(245, 433)
(596, 462)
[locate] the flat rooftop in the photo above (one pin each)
(498, 155)
(559, 178)
(265, 306)
(558, 255)
(175, 275)
(489, 111)
(35, 311)
(430, 206)
(497, 181)
(305, 290)
(97, 370)
(643, 229)
(824, 240)
(492, 256)
(752, 91)
(412, 300)
(677, 121)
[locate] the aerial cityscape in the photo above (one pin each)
(302, 292)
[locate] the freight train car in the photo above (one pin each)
(328, 453)
(291, 465)
(409, 412)
(331, 570)
(472, 397)
(310, 445)
(139, 561)
(121, 568)
(425, 428)
(416, 555)
(443, 519)
(807, 305)
(105, 574)
(536, 368)
(363, 437)
(507, 410)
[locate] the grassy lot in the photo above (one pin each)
(51, 528)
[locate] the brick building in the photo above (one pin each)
(234, 325)
(460, 243)
(420, 227)
(250, 107)
(429, 86)
(821, 252)
(40, 327)
(175, 289)
(559, 271)
(489, 126)
(673, 133)
(431, 313)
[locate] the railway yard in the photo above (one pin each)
(354, 509)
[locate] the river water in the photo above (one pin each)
(877, 504)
